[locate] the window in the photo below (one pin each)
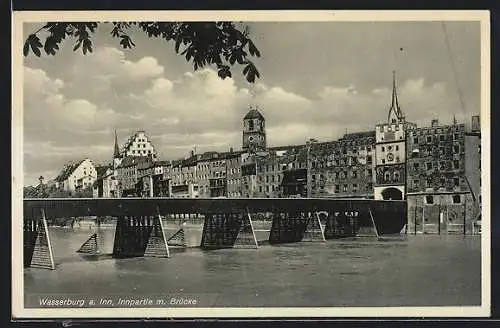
(429, 139)
(456, 182)
(456, 149)
(369, 172)
(441, 137)
(456, 199)
(415, 140)
(260, 187)
(389, 148)
(369, 159)
(416, 183)
(429, 165)
(429, 199)
(397, 147)
(337, 188)
(415, 166)
(383, 161)
(354, 187)
(456, 164)
(354, 174)
(396, 176)
(345, 188)
(383, 148)
(250, 125)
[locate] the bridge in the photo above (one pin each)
(227, 222)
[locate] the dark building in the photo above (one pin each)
(254, 131)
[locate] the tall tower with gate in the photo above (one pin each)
(390, 152)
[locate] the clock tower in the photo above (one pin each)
(254, 131)
(390, 152)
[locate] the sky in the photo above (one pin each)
(318, 80)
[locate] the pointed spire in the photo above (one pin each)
(394, 101)
(454, 120)
(117, 150)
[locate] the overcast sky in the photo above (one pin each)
(317, 80)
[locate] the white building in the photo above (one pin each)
(77, 176)
(138, 145)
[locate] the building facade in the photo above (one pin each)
(436, 168)
(77, 176)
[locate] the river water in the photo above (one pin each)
(417, 270)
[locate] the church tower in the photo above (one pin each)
(117, 158)
(254, 131)
(390, 152)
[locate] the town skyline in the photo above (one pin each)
(73, 103)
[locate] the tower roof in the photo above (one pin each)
(117, 149)
(254, 113)
(394, 101)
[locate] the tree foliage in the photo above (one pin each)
(219, 44)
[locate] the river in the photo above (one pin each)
(417, 270)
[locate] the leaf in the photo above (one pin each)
(77, 45)
(253, 49)
(87, 45)
(26, 48)
(245, 70)
(35, 49)
(177, 44)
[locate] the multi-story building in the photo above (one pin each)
(204, 172)
(106, 184)
(443, 177)
(139, 145)
(218, 178)
(77, 176)
(343, 168)
(128, 174)
(233, 173)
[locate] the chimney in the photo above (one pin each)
(192, 153)
(476, 124)
(434, 123)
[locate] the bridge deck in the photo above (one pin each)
(74, 207)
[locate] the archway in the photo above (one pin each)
(392, 194)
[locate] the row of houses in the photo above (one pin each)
(439, 164)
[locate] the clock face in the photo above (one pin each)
(251, 138)
(390, 157)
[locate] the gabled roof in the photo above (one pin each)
(67, 170)
(254, 113)
(101, 170)
(135, 160)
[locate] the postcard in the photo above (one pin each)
(202, 164)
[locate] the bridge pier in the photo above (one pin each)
(228, 230)
(37, 247)
(137, 236)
